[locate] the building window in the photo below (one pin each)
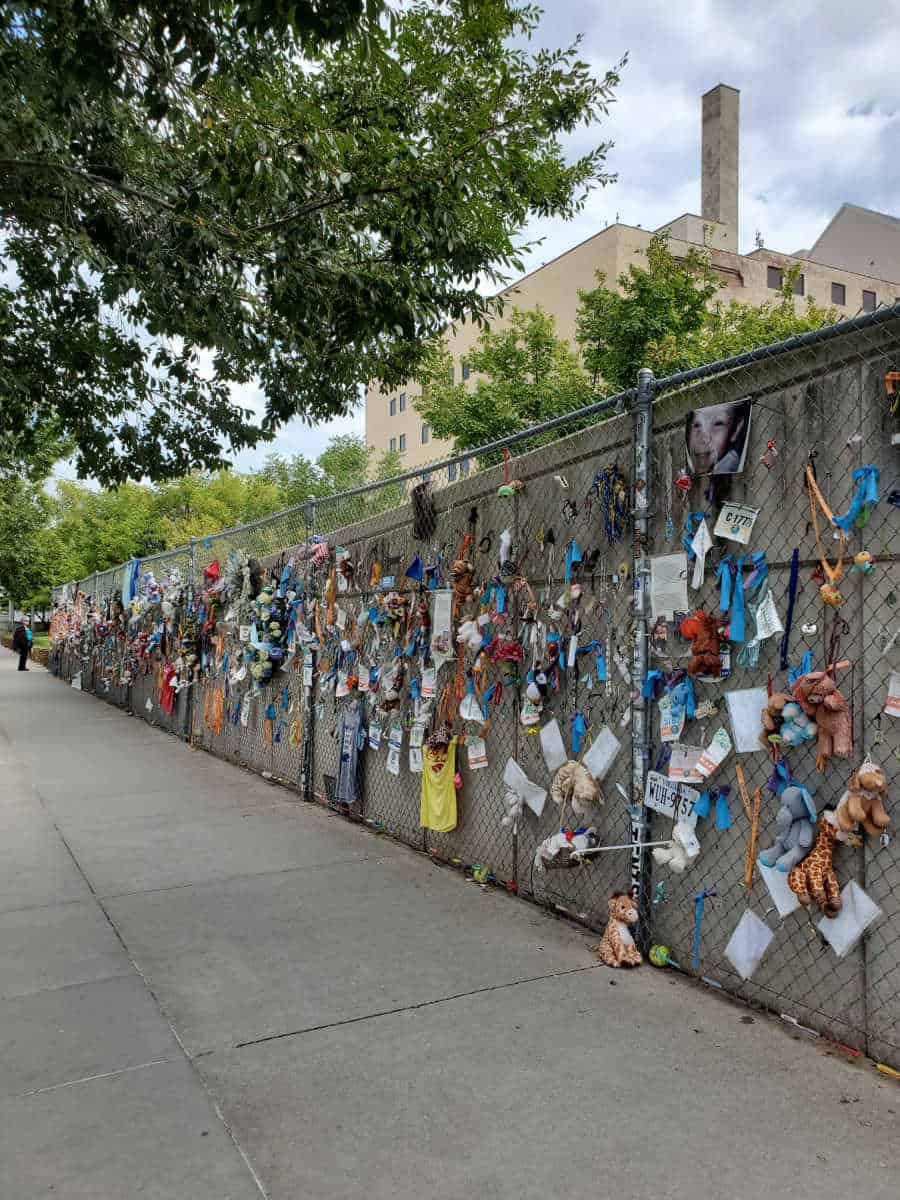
(451, 472)
(426, 434)
(466, 370)
(799, 286)
(838, 293)
(774, 278)
(402, 441)
(403, 401)
(869, 300)
(393, 444)
(393, 407)
(464, 468)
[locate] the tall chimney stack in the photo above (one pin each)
(719, 173)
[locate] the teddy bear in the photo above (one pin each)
(703, 631)
(795, 825)
(617, 948)
(771, 718)
(682, 852)
(818, 696)
(574, 783)
(863, 801)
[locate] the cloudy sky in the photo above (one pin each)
(820, 122)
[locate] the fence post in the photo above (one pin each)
(640, 707)
(308, 708)
(192, 574)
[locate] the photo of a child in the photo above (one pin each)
(716, 438)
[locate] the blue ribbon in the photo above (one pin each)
(759, 573)
(723, 812)
(732, 596)
(806, 665)
(866, 480)
(651, 680)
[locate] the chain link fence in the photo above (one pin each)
(564, 576)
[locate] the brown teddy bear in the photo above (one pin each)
(863, 801)
(573, 782)
(772, 717)
(820, 699)
(703, 631)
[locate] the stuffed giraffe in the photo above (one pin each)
(814, 878)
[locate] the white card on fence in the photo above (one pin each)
(573, 651)
(517, 781)
(477, 753)
(715, 753)
(244, 633)
(768, 622)
(417, 734)
(374, 735)
(415, 759)
(749, 942)
(783, 898)
(683, 763)
(393, 760)
(736, 521)
(552, 746)
(668, 585)
(892, 703)
(340, 617)
(602, 753)
(745, 708)
(429, 681)
(858, 911)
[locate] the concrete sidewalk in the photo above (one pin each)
(212, 991)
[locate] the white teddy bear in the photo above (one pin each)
(682, 852)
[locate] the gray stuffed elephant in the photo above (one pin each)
(796, 826)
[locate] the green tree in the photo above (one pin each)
(199, 196)
(24, 513)
(525, 374)
(730, 329)
(667, 299)
(663, 318)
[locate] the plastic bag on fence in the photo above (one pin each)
(552, 746)
(858, 912)
(749, 942)
(602, 753)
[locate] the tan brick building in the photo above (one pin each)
(854, 266)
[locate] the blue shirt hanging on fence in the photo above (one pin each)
(351, 737)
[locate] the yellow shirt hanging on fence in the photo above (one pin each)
(438, 790)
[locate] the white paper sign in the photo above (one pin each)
(714, 754)
(374, 736)
(395, 744)
(552, 745)
(736, 521)
(417, 734)
(429, 682)
(745, 709)
(441, 627)
(477, 752)
(675, 800)
(668, 585)
(415, 759)
(683, 763)
(892, 703)
(517, 781)
(244, 633)
(768, 622)
(602, 753)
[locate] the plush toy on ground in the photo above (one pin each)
(795, 824)
(682, 852)
(863, 801)
(575, 784)
(819, 697)
(703, 631)
(617, 948)
(814, 879)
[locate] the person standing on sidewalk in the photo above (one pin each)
(21, 641)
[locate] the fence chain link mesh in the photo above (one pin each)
(822, 394)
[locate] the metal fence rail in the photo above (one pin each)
(824, 395)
